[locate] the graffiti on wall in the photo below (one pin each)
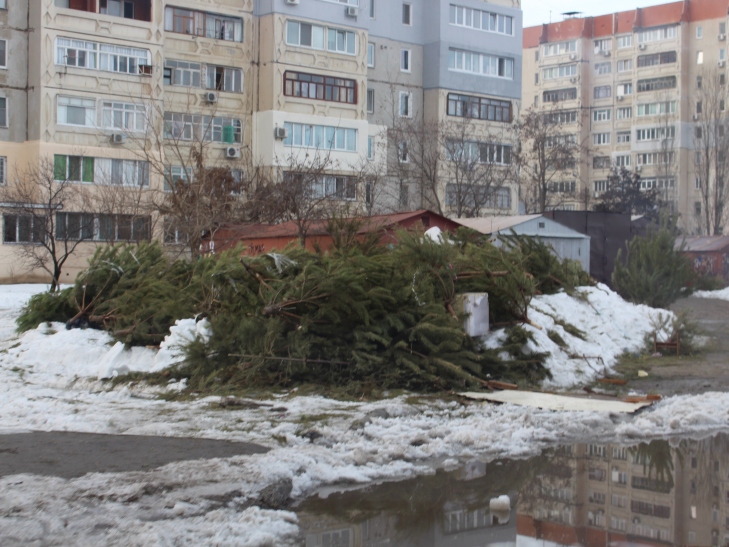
(704, 264)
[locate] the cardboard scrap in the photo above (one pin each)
(549, 401)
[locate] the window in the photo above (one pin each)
(601, 162)
(560, 48)
(481, 20)
(3, 53)
(603, 68)
(722, 54)
(657, 84)
(480, 63)
(561, 117)
(564, 187)
(405, 60)
(654, 109)
(655, 133)
(370, 101)
(174, 234)
(655, 59)
(321, 136)
(341, 41)
(119, 172)
(370, 148)
(200, 23)
(174, 174)
(466, 106)
(73, 168)
(76, 53)
(600, 186)
(699, 32)
(656, 34)
(601, 115)
(3, 170)
(698, 132)
(124, 116)
(370, 55)
(622, 137)
(324, 88)
(602, 91)
(76, 111)
(625, 41)
(333, 187)
(624, 113)
(188, 127)
(625, 65)
(600, 138)
(486, 197)
(3, 112)
(407, 14)
(182, 73)
(536, 78)
(402, 152)
(223, 78)
(406, 104)
(81, 226)
(126, 60)
(624, 89)
(622, 161)
(304, 35)
(23, 229)
(699, 57)
(483, 152)
(3, 4)
(699, 82)
(559, 95)
(372, 9)
(722, 28)
(561, 71)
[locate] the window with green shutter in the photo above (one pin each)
(59, 167)
(88, 173)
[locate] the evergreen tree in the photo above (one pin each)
(655, 272)
(625, 195)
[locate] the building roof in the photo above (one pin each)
(491, 225)
(319, 227)
(703, 244)
(626, 21)
(524, 225)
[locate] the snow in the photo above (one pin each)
(49, 382)
(611, 325)
(722, 294)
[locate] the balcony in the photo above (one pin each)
(138, 10)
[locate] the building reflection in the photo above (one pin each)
(585, 494)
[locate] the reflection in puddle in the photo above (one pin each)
(581, 495)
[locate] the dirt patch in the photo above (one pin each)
(67, 455)
(708, 371)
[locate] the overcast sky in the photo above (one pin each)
(537, 12)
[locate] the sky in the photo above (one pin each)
(537, 12)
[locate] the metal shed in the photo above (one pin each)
(564, 241)
(709, 254)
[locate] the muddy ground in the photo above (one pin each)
(707, 371)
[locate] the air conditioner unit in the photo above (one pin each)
(573, 80)
(722, 37)
(292, 2)
(211, 97)
(117, 138)
(351, 11)
(145, 70)
(620, 97)
(280, 133)
(605, 53)
(722, 64)
(641, 47)
(232, 152)
(573, 56)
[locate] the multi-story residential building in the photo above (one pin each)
(114, 93)
(628, 82)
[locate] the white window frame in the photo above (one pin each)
(349, 37)
(622, 137)
(602, 115)
(699, 32)
(625, 41)
(470, 62)
(601, 139)
(560, 71)
(625, 65)
(321, 137)
(406, 112)
(486, 21)
(133, 116)
(603, 68)
(88, 118)
(370, 55)
(406, 60)
(559, 48)
(317, 31)
(624, 113)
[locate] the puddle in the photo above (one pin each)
(592, 495)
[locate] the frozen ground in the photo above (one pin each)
(722, 294)
(49, 381)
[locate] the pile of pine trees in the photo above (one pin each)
(360, 317)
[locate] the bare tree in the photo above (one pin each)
(711, 156)
(546, 158)
(37, 217)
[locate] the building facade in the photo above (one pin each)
(628, 85)
(115, 94)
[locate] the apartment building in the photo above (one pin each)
(114, 93)
(626, 84)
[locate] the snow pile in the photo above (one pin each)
(611, 325)
(14, 297)
(722, 294)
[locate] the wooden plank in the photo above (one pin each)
(549, 401)
(614, 381)
(495, 384)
